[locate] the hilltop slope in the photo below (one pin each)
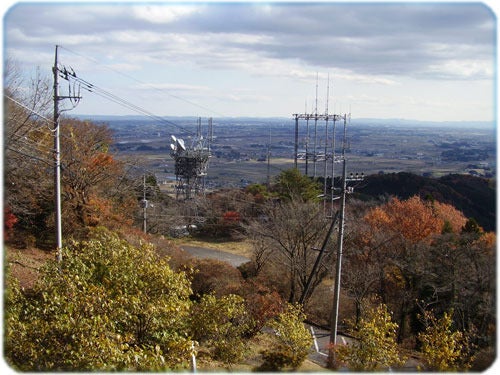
(474, 196)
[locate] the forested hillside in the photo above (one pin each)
(474, 196)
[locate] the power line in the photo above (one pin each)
(92, 88)
(147, 84)
(49, 121)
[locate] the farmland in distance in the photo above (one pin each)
(241, 146)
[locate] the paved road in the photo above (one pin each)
(202, 252)
(319, 354)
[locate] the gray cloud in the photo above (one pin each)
(436, 41)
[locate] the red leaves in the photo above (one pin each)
(232, 217)
(9, 220)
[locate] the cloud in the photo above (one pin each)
(172, 86)
(366, 39)
(208, 51)
(162, 14)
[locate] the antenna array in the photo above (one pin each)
(191, 163)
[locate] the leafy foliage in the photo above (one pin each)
(442, 348)
(375, 347)
(219, 324)
(28, 152)
(91, 178)
(413, 219)
(291, 184)
(9, 220)
(106, 306)
(262, 304)
(293, 340)
(213, 276)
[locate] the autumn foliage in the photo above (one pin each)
(413, 219)
(9, 220)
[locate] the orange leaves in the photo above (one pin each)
(103, 210)
(413, 218)
(450, 215)
(102, 160)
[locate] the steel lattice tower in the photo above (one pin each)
(191, 163)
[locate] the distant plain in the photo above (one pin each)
(241, 146)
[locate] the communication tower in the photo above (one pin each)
(191, 163)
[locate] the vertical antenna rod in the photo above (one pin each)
(296, 146)
(269, 160)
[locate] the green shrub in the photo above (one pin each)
(292, 341)
(375, 347)
(107, 306)
(220, 324)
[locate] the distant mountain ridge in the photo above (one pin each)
(474, 196)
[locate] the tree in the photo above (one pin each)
(93, 188)
(396, 237)
(28, 163)
(442, 348)
(9, 220)
(107, 306)
(398, 252)
(453, 218)
(413, 219)
(213, 276)
(374, 347)
(262, 304)
(291, 184)
(462, 277)
(288, 235)
(90, 176)
(472, 226)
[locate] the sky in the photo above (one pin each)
(429, 61)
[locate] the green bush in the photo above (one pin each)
(107, 306)
(220, 324)
(375, 347)
(292, 341)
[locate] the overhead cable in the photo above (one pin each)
(147, 84)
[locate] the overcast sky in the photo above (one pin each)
(424, 61)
